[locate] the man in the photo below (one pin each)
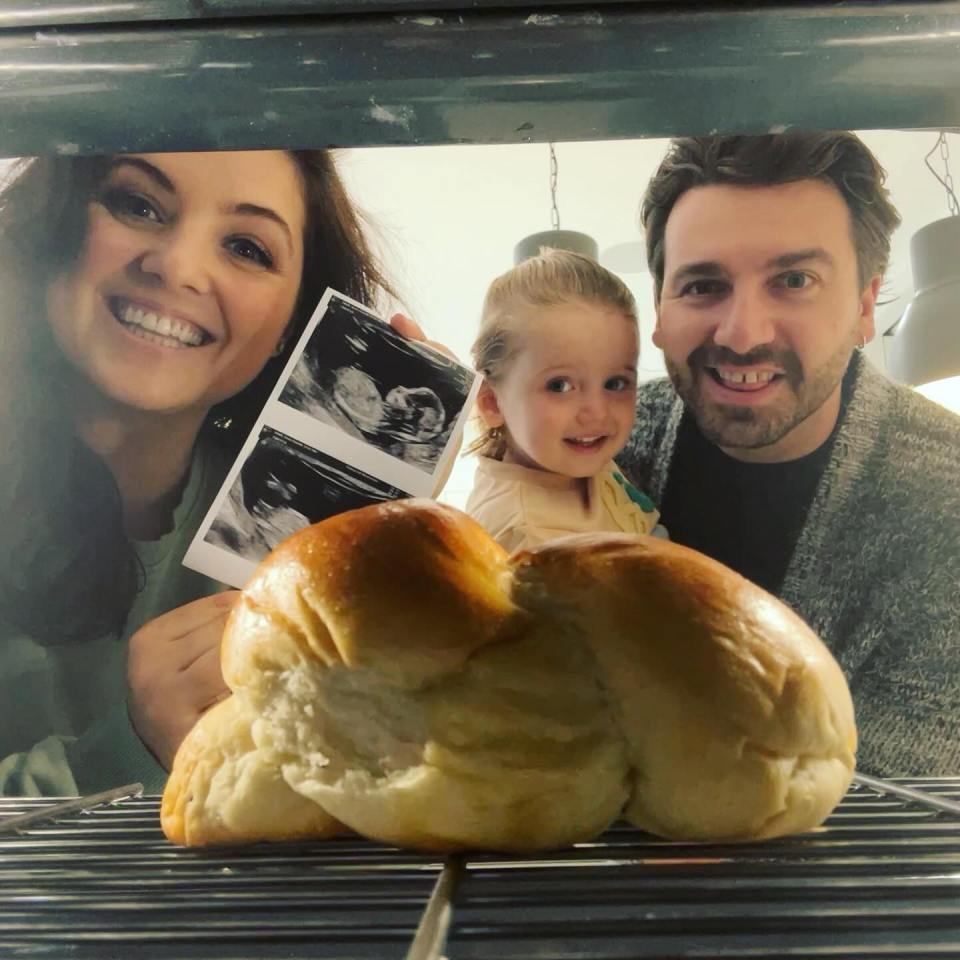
(777, 449)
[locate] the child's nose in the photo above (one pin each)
(593, 406)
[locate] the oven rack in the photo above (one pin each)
(880, 879)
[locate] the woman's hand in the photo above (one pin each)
(413, 331)
(173, 672)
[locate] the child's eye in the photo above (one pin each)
(127, 204)
(559, 385)
(618, 384)
(248, 249)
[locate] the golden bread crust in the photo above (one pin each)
(396, 672)
(222, 790)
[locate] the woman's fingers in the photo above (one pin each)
(173, 671)
(183, 621)
(206, 682)
(407, 327)
(413, 331)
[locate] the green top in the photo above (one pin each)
(64, 728)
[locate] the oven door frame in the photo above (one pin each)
(233, 74)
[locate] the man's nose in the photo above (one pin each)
(178, 259)
(746, 323)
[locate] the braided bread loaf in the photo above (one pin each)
(396, 672)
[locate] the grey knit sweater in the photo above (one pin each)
(876, 570)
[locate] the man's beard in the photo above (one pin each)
(733, 426)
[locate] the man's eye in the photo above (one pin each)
(703, 288)
(796, 280)
(130, 205)
(247, 249)
(559, 385)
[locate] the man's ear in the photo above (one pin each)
(868, 304)
(656, 335)
(488, 406)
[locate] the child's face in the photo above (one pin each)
(568, 396)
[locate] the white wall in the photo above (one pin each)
(447, 219)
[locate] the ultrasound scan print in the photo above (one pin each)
(359, 375)
(284, 486)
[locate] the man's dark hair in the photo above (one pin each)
(838, 158)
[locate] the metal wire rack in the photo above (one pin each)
(880, 879)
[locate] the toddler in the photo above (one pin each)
(557, 348)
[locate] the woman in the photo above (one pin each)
(148, 305)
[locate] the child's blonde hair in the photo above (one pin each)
(548, 280)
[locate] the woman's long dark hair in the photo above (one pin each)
(68, 570)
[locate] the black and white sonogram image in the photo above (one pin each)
(358, 374)
(284, 486)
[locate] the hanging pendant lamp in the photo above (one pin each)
(924, 347)
(555, 239)
(572, 240)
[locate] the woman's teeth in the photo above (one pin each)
(166, 327)
(585, 441)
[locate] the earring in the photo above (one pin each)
(862, 343)
(495, 433)
(279, 348)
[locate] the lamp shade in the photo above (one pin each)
(925, 345)
(571, 240)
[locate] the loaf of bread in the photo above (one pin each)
(396, 673)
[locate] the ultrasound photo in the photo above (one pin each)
(284, 486)
(359, 375)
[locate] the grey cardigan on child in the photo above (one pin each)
(876, 570)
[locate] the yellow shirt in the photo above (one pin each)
(521, 507)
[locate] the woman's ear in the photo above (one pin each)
(488, 406)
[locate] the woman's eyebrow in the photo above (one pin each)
(155, 173)
(253, 209)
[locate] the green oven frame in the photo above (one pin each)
(140, 75)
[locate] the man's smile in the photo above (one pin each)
(743, 381)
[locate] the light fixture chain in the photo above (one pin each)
(554, 170)
(952, 204)
(946, 180)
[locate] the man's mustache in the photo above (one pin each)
(711, 355)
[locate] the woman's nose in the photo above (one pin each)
(178, 260)
(747, 322)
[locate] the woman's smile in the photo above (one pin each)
(153, 325)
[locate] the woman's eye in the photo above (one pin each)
(247, 249)
(130, 205)
(618, 384)
(559, 385)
